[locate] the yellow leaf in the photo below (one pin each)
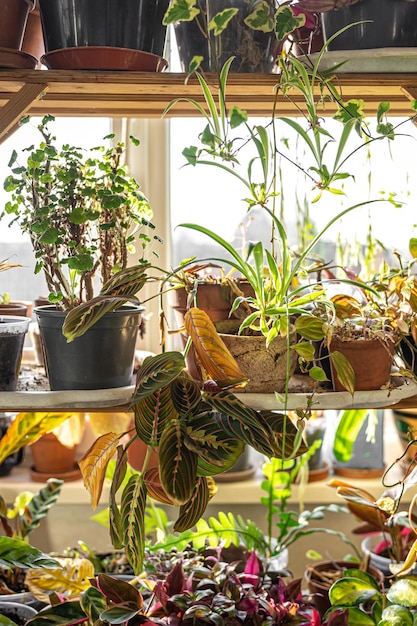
(210, 349)
(94, 464)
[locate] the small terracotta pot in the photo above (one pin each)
(33, 37)
(13, 18)
(136, 453)
(371, 360)
(51, 457)
(15, 308)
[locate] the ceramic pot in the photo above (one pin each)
(253, 49)
(384, 24)
(371, 360)
(265, 367)
(320, 589)
(13, 18)
(13, 329)
(116, 23)
(102, 358)
(383, 563)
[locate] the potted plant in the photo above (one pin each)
(105, 35)
(376, 24)
(209, 32)
(82, 212)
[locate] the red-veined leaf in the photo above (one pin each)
(132, 510)
(156, 372)
(177, 464)
(193, 510)
(152, 413)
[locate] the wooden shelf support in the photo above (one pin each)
(21, 102)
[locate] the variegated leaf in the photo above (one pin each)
(27, 428)
(152, 413)
(94, 463)
(257, 437)
(116, 526)
(177, 464)
(38, 506)
(283, 434)
(216, 449)
(186, 394)
(156, 372)
(132, 509)
(211, 352)
(83, 317)
(154, 486)
(127, 282)
(344, 371)
(244, 423)
(70, 580)
(193, 510)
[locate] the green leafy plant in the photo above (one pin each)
(83, 213)
(28, 509)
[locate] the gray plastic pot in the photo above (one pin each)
(102, 358)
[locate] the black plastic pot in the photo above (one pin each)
(102, 358)
(253, 49)
(12, 336)
(393, 25)
(135, 24)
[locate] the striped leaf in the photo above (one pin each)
(285, 436)
(186, 395)
(94, 464)
(132, 509)
(154, 486)
(115, 518)
(177, 464)
(38, 506)
(193, 510)
(211, 352)
(84, 316)
(216, 449)
(157, 372)
(127, 282)
(152, 413)
(344, 371)
(257, 437)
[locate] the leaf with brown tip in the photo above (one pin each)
(94, 463)
(210, 349)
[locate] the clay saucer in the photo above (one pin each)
(16, 59)
(103, 58)
(73, 474)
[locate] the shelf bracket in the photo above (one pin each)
(411, 93)
(18, 106)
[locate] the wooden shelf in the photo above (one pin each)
(143, 94)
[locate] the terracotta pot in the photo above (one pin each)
(51, 457)
(33, 37)
(371, 360)
(320, 589)
(136, 453)
(265, 367)
(15, 308)
(13, 18)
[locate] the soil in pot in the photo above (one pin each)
(12, 336)
(371, 360)
(320, 577)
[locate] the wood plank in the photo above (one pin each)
(18, 106)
